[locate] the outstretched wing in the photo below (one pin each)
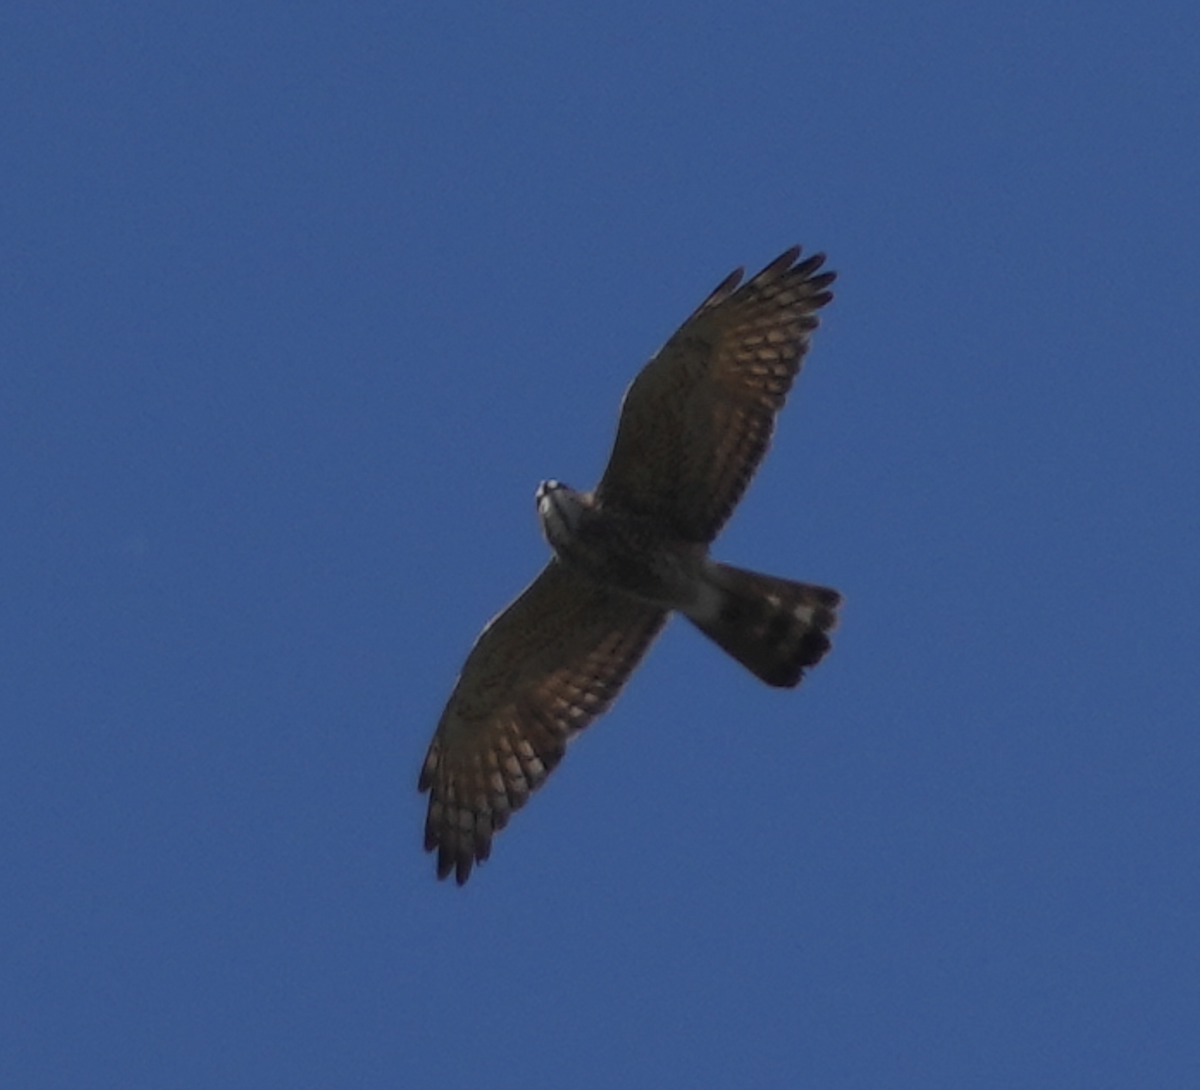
(540, 672)
(697, 420)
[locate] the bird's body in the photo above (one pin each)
(619, 549)
(694, 425)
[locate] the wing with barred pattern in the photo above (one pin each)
(539, 673)
(697, 420)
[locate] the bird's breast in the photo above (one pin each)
(631, 554)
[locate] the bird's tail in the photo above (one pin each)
(774, 627)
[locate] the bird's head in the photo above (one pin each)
(559, 509)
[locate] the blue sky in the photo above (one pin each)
(299, 302)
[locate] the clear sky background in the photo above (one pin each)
(298, 303)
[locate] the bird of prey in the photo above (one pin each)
(694, 425)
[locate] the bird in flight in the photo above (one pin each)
(694, 425)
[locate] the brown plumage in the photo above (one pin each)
(695, 423)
